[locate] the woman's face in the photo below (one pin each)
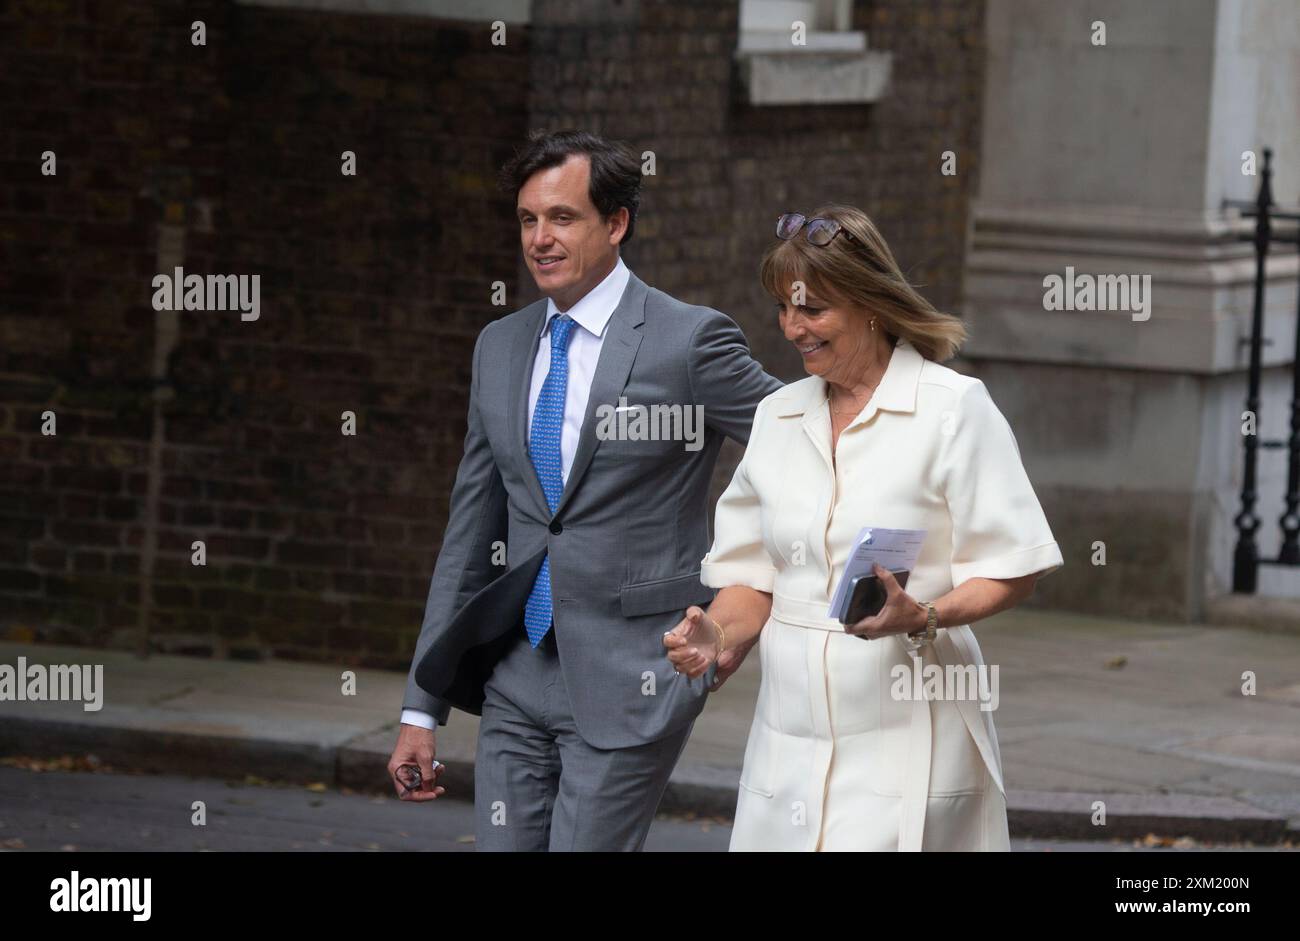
(834, 341)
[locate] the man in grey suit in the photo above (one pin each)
(600, 521)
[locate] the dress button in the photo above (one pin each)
(556, 528)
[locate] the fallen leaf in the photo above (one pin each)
(59, 763)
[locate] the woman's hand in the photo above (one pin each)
(693, 643)
(902, 614)
(729, 662)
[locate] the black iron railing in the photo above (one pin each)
(1246, 560)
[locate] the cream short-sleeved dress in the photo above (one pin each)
(838, 757)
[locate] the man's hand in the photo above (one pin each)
(416, 746)
(693, 643)
(728, 664)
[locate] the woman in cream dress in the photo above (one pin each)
(841, 755)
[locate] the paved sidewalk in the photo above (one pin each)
(1149, 718)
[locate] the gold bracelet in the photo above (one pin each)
(722, 636)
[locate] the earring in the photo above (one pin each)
(873, 324)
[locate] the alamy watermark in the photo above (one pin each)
(181, 291)
(59, 682)
(75, 894)
(954, 682)
(1129, 292)
(658, 422)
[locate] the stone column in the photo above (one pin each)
(1117, 159)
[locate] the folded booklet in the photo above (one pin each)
(894, 549)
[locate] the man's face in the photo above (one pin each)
(568, 247)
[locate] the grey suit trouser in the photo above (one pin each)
(538, 785)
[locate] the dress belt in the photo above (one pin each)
(802, 613)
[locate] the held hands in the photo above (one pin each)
(902, 614)
(693, 643)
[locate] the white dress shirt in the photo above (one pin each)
(592, 313)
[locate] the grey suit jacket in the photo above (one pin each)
(627, 538)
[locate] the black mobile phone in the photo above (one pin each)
(867, 596)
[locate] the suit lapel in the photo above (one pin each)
(522, 356)
(617, 354)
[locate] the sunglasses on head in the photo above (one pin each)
(818, 231)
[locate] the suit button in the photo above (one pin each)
(556, 528)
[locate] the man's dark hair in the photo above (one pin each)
(615, 172)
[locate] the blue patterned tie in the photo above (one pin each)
(544, 449)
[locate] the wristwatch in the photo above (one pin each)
(916, 641)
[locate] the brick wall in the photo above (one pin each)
(372, 291)
(373, 287)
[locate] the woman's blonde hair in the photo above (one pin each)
(863, 272)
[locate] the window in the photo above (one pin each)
(803, 52)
